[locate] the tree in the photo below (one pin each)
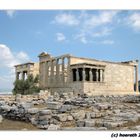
(28, 86)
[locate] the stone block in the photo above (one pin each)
(54, 105)
(79, 115)
(53, 127)
(33, 110)
(44, 117)
(26, 105)
(69, 118)
(104, 106)
(80, 123)
(62, 117)
(45, 112)
(65, 108)
(90, 123)
(93, 115)
(1, 118)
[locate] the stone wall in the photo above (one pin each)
(118, 78)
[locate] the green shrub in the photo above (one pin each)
(28, 86)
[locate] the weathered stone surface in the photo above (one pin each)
(26, 105)
(69, 118)
(45, 112)
(65, 108)
(1, 119)
(111, 125)
(92, 115)
(79, 129)
(62, 117)
(5, 108)
(53, 127)
(79, 115)
(43, 122)
(101, 106)
(33, 110)
(80, 123)
(88, 115)
(90, 123)
(2, 103)
(44, 117)
(54, 105)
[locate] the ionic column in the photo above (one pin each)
(52, 71)
(57, 70)
(136, 77)
(69, 74)
(97, 75)
(90, 75)
(63, 70)
(17, 76)
(101, 75)
(83, 74)
(47, 73)
(77, 75)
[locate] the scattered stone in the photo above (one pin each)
(79, 115)
(26, 105)
(79, 128)
(1, 119)
(2, 103)
(90, 123)
(69, 118)
(45, 112)
(80, 123)
(33, 110)
(65, 108)
(54, 105)
(62, 117)
(102, 106)
(53, 127)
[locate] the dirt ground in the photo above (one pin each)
(16, 125)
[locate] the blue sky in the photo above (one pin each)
(104, 35)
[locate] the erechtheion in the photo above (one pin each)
(68, 73)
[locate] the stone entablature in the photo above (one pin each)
(23, 70)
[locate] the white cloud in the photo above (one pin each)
(10, 13)
(22, 56)
(7, 61)
(66, 19)
(108, 42)
(81, 37)
(103, 32)
(60, 37)
(88, 25)
(102, 18)
(134, 21)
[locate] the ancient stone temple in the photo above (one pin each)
(23, 70)
(68, 73)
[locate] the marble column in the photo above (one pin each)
(52, 71)
(90, 75)
(136, 77)
(77, 74)
(57, 70)
(83, 74)
(47, 73)
(63, 70)
(97, 75)
(101, 75)
(69, 73)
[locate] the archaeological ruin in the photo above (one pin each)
(68, 73)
